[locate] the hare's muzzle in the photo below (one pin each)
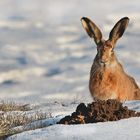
(104, 57)
(103, 61)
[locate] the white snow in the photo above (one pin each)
(127, 129)
(45, 59)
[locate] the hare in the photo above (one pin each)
(108, 79)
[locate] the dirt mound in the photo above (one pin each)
(99, 111)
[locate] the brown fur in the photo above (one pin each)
(107, 77)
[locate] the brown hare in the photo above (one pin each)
(108, 79)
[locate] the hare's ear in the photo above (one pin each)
(92, 30)
(118, 29)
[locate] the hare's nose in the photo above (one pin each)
(102, 61)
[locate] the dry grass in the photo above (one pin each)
(10, 106)
(10, 119)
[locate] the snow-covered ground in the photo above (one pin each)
(124, 129)
(45, 59)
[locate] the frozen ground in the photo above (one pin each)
(45, 58)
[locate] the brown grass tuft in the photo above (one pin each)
(10, 106)
(12, 115)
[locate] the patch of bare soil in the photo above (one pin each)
(99, 111)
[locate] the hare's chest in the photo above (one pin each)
(103, 81)
(103, 86)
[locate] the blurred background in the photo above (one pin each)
(45, 54)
